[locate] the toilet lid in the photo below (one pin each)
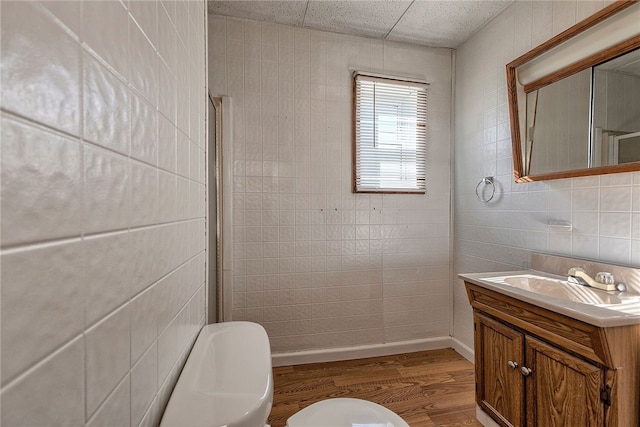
(345, 412)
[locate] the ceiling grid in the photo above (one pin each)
(437, 23)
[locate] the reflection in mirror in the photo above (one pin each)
(616, 111)
(557, 131)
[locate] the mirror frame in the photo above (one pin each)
(588, 62)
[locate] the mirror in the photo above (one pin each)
(615, 138)
(574, 100)
(557, 132)
(589, 119)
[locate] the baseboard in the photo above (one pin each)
(463, 349)
(484, 419)
(363, 351)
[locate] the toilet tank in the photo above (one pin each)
(226, 381)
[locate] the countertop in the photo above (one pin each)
(601, 315)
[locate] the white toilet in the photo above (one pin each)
(227, 381)
(345, 412)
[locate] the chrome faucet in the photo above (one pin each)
(604, 280)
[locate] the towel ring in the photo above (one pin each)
(487, 180)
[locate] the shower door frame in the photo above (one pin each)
(215, 291)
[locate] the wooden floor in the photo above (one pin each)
(429, 388)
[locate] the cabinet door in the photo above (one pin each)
(562, 390)
(499, 352)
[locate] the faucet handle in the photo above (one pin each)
(605, 278)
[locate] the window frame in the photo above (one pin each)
(420, 145)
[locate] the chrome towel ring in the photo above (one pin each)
(487, 180)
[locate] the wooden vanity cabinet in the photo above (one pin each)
(555, 381)
(499, 386)
(566, 390)
(535, 367)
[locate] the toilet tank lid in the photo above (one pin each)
(227, 380)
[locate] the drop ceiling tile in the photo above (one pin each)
(363, 18)
(437, 23)
(444, 23)
(281, 12)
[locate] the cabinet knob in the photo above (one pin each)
(512, 364)
(525, 371)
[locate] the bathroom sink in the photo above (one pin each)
(563, 290)
(553, 292)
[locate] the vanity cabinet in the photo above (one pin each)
(499, 385)
(524, 381)
(535, 367)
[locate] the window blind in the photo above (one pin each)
(390, 135)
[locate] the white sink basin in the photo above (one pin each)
(226, 381)
(554, 293)
(564, 290)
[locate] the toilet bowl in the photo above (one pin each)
(227, 381)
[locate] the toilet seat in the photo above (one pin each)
(345, 412)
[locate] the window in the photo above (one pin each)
(389, 135)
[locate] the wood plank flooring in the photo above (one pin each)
(427, 389)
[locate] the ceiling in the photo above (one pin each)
(434, 23)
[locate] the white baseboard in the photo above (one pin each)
(463, 349)
(484, 418)
(363, 351)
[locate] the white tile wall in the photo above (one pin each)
(500, 235)
(102, 160)
(318, 266)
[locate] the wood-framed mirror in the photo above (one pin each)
(574, 101)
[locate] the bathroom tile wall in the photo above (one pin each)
(500, 235)
(103, 206)
(318, 266)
